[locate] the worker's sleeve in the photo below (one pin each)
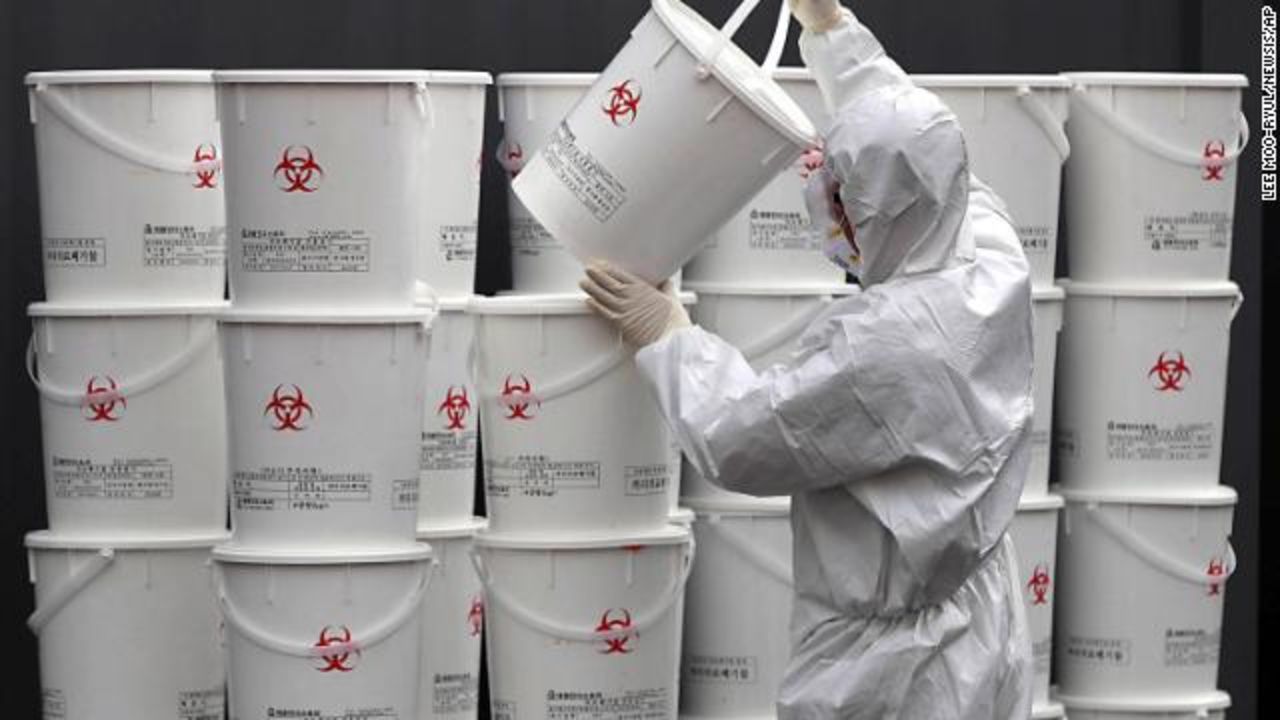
(848, 62)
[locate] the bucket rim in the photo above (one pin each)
(543, 304)
(168, 76)
(459, 77)
(1208, 289)
(1157, 79)
(778, 110)
(383, 316)
(1052, 293)
(53, 540)
(798, 290)
(1213, 700)
(234, 554)
(668, 535)
(991, 80)
(454, 531)
(316, 76)
(446, 304)
(765, 507)
(547, 79)
(1044, 503)
(1216, 496)
(682, 516)
(1048, 711)
(76, 310)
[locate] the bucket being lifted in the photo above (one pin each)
(1035, 538)
(1047, 318)
(678, 132)
(1151, 190)
(130, 173)
(451, 422)
(452, 622)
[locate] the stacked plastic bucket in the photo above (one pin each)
(1145, 551)
(351, 206)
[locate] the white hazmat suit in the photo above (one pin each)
(899, 426)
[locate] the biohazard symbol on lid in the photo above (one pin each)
(288, 409)
(475, 615)
(518, 398)
(1171, 374)
(455, 407)
(811, 162)
(101, 401)
(610, 622)
(1039, 585)
(624, 103)
(344, 657)
(206, 166)
(1217, 569)
(1215, 160)
(298, 170)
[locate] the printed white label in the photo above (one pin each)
(201, 705)
(1099, 651)
(1189, 647)
(1036, 238)
(646, 704)
(285, 488)
(1067, 442)
(316, 251)
(169, 246)
(1184, 442)
(55, 705)
(1188, 233)
(458, 242)
(75, 252)
(646, 479)
(720, 669)
(313, 713)
(448, 450)
(789, 230)
(528, 237)
(1042, 652)
(539, 476)
(404, 494)
(591, 183)
(454, 693)
(120, 479)
(503, 709)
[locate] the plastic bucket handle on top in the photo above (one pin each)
(750, 552)
(731, 27)
(568, 384)
(1045, 119)
(1148, 551)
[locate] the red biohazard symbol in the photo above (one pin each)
(518, 398)
(102, 400)
(1039, 585)
(455, 407)
(1217, 569)
(511, 157)
(1215, 154)
(610, 622)
(288, 409)
(298, 170)
(343, 660)
(206, 167)
(475, 616)
(624, 103)
(811, 162)
(1170, 373)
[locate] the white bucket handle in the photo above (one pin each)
(1156, 146)
(114, 144)
(1139, 546)
(752, 554)
(571, 633)
(784, 332)
(731, 27)
(128, 388)
(1236, 304)
(367, 639)
(66, 592)
(1048, 122)
(567, 385)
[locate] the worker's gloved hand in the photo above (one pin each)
(816, 16)
(643, 313)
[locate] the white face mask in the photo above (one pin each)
(827, 216)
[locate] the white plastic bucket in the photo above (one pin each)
(764, 324)
(128, 628)
(451, 421)
(584, 628)
(454, 154)
(681, 128)
(325, 413)
(1047, 313)
(1212, 706)
(1048, 711)
(1141, 585)
(133, 418)
(452, 622)
(130, 172)
(1151, 188)
(573, 440)
(770, 241)
(737, 611)
(1013, 130)
(1035, 538)
(1142, 386)
(323, 635)
(326, 175)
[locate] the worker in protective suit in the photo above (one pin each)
(899, 426)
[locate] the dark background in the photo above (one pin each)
(561, 35)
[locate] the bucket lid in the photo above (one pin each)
(713, 288)
(465, 529)
(1052, 293)
(50, 540)
(1152, 79)
(1048, 711)
(738, 72)
(1215, 496)
(542, 304)
(240, 554)
(991, 81)
(68, 310)
(1036, 504)
(388, 316)
(547, 79)
(1190, 290)
(1214, 700)
(347, 77)
(669, 535)
(459, 77)
(111, 77)
(772, 507)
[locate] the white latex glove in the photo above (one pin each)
(816, 16)
(643, 313)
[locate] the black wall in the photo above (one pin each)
(508, 35)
